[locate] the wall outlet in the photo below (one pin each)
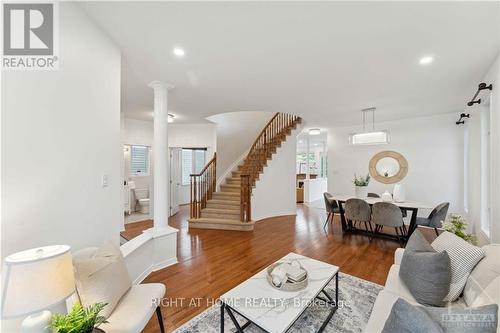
(104, 180)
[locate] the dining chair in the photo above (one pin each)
(373, 195)
(358, 211)
(386, 214)
(331, 207)
(435, 218)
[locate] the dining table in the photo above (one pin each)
(407, 205)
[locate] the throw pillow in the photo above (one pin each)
(425, 272)
(406, 318)
(463, 256)
(101, 277)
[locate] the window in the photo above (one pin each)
(193, 161)
(139, 160)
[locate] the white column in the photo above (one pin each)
(163, 238)
(160, 150)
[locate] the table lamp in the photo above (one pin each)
(34, 280)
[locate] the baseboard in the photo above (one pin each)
(164, 264)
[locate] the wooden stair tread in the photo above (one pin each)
(224, 202)
(231, 185)
(220, 210)
(221, 224)
(218, 220)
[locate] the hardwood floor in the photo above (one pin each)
(213, 261)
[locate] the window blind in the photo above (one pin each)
(139, 160)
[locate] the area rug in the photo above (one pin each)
(356, 299)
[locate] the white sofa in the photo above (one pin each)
(483, 287)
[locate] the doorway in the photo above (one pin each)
(311, 167)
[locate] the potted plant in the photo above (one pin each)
(79, 319)
(361, 185)
(457, 224)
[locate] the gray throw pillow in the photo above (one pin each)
(425, 272)
(406, 318)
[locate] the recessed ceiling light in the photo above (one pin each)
(179, 52)
(314, 131)
(426, 60)
(171, 118)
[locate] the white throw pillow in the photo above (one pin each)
(463, 258)
(101, 277)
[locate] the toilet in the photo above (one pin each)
(142, 196)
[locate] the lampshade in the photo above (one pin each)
(36, 279)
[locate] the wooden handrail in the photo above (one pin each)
(203, 185)
(275, 130)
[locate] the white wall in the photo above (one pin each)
(236, 132)
(475, 142)
(433, 147)
(60, 135)
(139, 132)
(275, 191)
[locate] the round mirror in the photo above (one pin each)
(388, 167)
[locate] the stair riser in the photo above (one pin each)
(231, 181)
(204, 225)
(232, 188)
(220, 215)
(229, 196)
(224, 206)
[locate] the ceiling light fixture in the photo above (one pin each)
(171, 118)
(369, 138)
(426, 60)
(179, 52)
(314, 131)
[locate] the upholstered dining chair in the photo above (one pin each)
(386, 214)
(373, 195)
(358, 211)
(436, 217)
(331, 207)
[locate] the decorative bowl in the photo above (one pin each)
(289, 285)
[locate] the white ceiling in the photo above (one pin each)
(321, 60)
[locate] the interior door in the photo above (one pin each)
(175, 179)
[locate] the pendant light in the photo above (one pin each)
(372, 137)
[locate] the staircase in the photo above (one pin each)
(229, 208)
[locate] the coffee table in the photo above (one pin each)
(273, 310)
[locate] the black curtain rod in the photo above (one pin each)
(461, 121)
(481, 86)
